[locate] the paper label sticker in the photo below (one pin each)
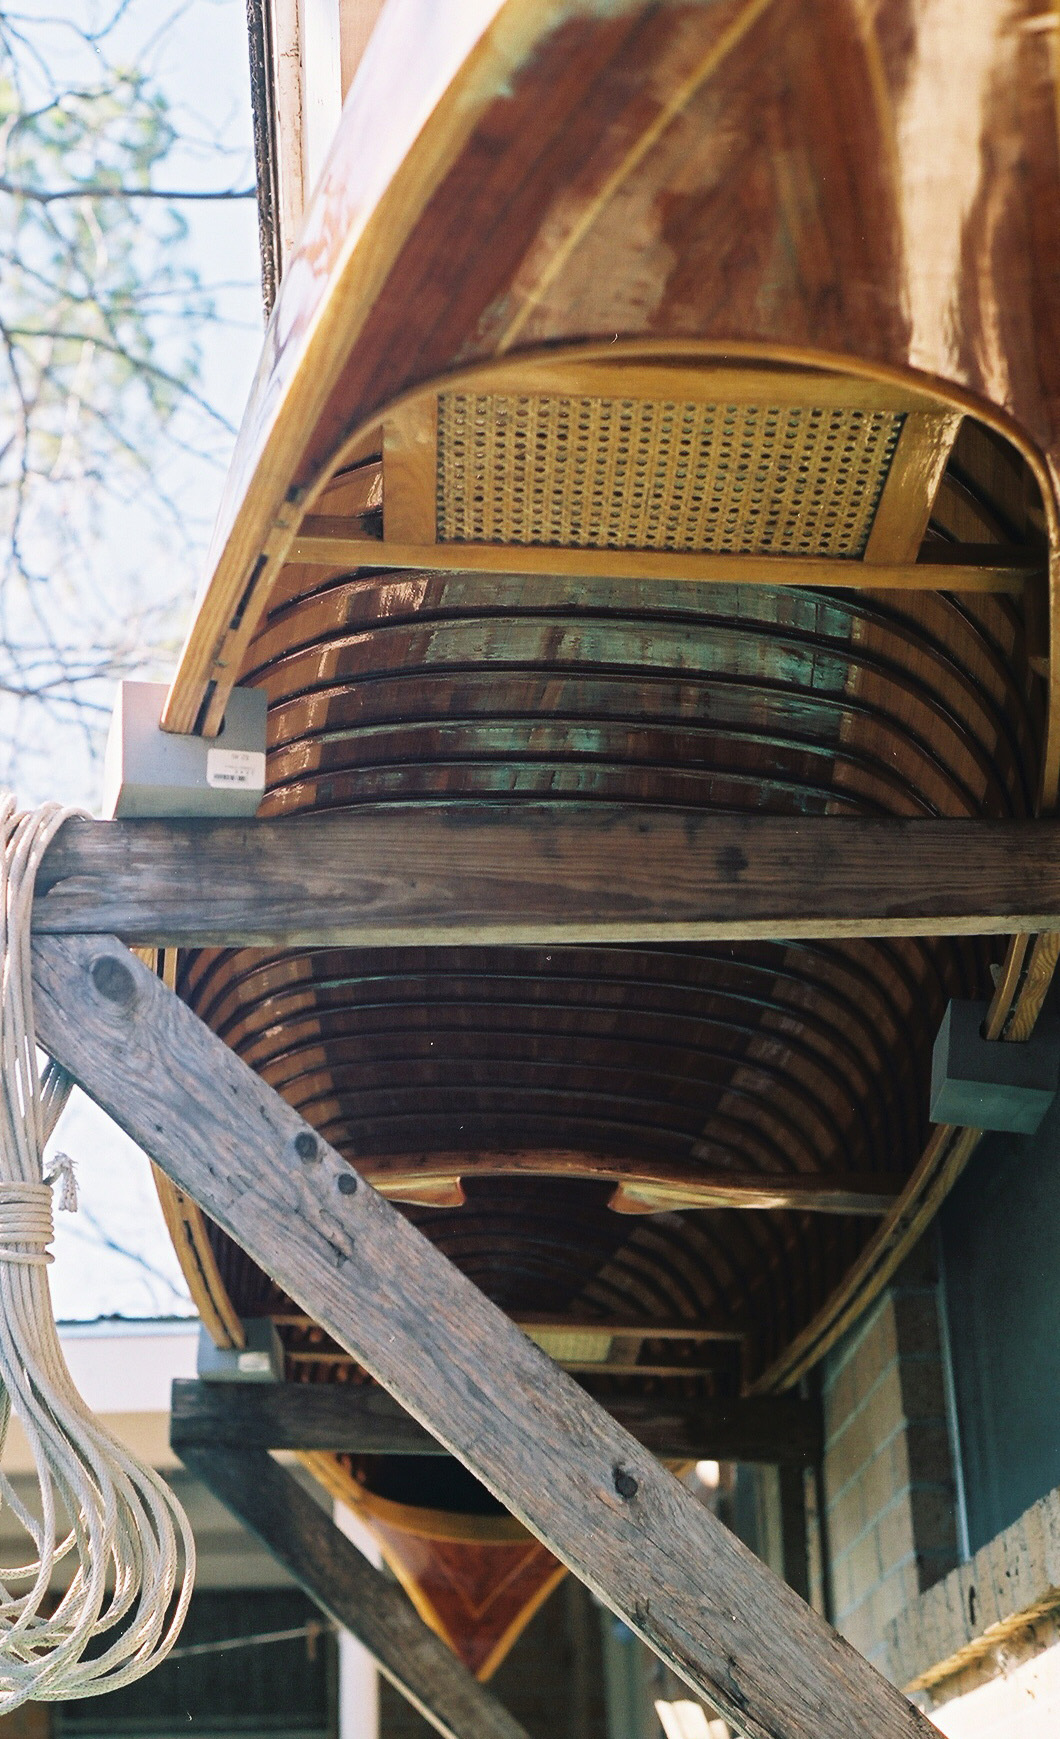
(235, 769)
(255, 1364)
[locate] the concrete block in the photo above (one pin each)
(878, 1490)
(846, 1518)
(150, 772)
(923, 1389)
(895, 1529)
(929, 1452)
(987, 1084)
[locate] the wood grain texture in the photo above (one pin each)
(372, 185)
(352, 1592)
(330, 544)
(476, 1580)
(652, 369)
(644, 1186)
(665, 175)
(693, 183)
(913, 480)
(504, 875)
(341, 1419)
(187, 1229)
(317, 1416)
(586, 1488)
(423, 689)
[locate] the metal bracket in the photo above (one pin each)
(151, 772)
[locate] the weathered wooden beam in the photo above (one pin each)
(532, 873)
(302, 1537)
(723, 1327)
(556, 1460)
(306, 1416)
(680, 1430)
(780, 1430)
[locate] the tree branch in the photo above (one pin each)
(102, 190)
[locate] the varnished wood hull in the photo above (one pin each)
(540, 176)
(477, 1580)
(856, 193)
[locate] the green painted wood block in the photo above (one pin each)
(982, 1083)
(260, 1360)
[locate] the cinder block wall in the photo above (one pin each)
(889, 1499)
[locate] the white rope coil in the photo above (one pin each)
(26, 1227)
(112, 1522)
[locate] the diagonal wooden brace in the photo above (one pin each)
(352, 1592)
(621, 1522)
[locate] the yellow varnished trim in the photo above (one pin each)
(185, 1221)
(810, 572)
(478, 55)
(186, 1225)
(432, 1525)
(427, 1524)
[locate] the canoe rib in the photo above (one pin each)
(672, 1571)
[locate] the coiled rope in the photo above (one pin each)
(130, 1549)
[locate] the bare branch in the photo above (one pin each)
(107, 432)
(98, 190)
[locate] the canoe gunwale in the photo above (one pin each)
(282, 489)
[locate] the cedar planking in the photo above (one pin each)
(663, 1562)
(352, 1592)
(494, 213)
(691, 191)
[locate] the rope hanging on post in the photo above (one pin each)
(112, 1520)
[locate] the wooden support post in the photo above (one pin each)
(777, 1429)
(532, 873)
(583, 1485)
(352, 1592)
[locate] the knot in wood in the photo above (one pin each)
(113, 979)
(625, 1484)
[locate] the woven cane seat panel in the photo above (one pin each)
(602, 473)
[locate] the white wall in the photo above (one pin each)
(358, 1673)
(321, 83)
(124, 1371)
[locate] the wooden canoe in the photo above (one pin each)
(657, 411)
